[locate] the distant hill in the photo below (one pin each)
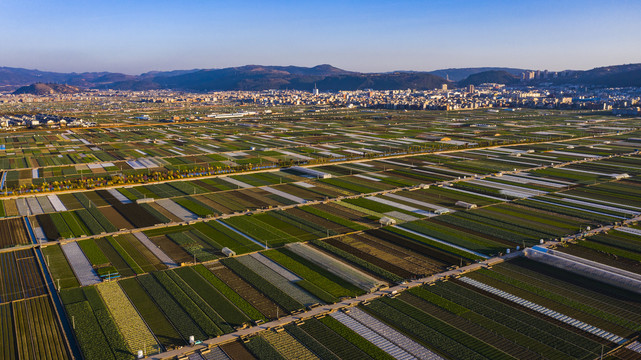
(47, 89)
(326, 77)
(610, 76)
(463, 73)
(19, 77)
(153, 74)
(492, 76)
(257, 77)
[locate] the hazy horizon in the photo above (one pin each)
(307, 66)
(372, 36)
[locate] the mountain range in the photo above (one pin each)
(324, 77)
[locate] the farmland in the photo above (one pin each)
(24, 321)
(13, 232)
(156, 237)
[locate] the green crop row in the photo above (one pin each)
(114, 257)
(206, 306)
(151, 313)
(434, 244)
(102, 220)
(133, 329)
(356, 188)
(448, 305)
(61, 225)
(320, 277)
(262, 349)
(92, 224)
(339, 345)
(125, 255)
(296, 230)
(611, 250)
(353, 338)
(232, 315)
(172, 309)
(194, 309)
(230, 294)
(107, 324)
(333, 218)
(598, 218)
(312, 344)
(357, 261)
(539, 330)
(457, 237)
(287, 345)
(59, 267)
(225, 237)
(128, 244)
(562, 299)
(432, 331)
(619, 239)
(194, 206)
(7, 333)
(155, 213)
(193, 246)
(93, 252)
(259, 230)
(308, 226)
(34, 319)
(271, 291)
(75, 224)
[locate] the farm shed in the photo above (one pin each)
(466, 205)
(228, 252)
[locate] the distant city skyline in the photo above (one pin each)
(365, 36)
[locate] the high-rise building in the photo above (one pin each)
(444, 87)
(315, 91)
(528, 75)
(470, 88)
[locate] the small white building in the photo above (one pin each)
(228, 252)
(385, 221)
(466, 205)
(621, 176)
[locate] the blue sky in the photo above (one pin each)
(370, 36)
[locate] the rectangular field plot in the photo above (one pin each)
(324, 284)
(33, 319)
(263, 228)
(457, 236)
(619, 249)
(229, 283)
(573, 316)
(13, 232)
(80, 264)
(134, 330)
(20, 276)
